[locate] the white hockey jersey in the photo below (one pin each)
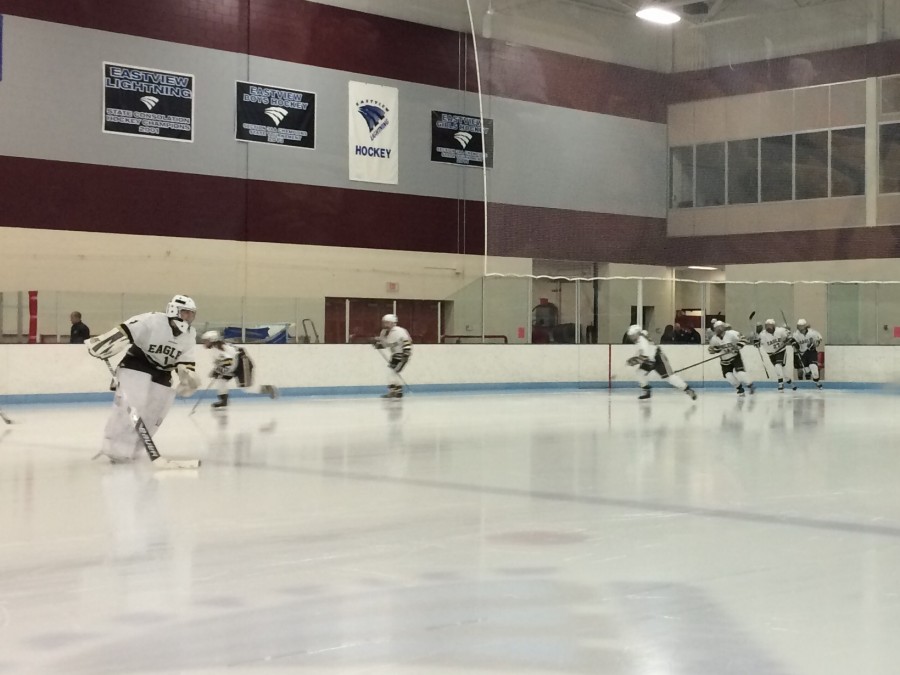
(727, 346)
(396, 340)
(775, 342)
(225, 359)
(811, 340)
(646, 350)
(154, 344)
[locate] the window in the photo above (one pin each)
(848, 162)
(811, 165)
(776, 157)
(889, 150)
(743, 174)
(711, 174)
(890, 95)
(682, 172)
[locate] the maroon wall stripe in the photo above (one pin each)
(556, 234)
(816, 68)
(851, 243)
(530, 74)
(43, 194)
(217, 24)
(305, 32)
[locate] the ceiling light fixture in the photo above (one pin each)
(701, 267)
(655, 14)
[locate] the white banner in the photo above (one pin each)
(373, 133)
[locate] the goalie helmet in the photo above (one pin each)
(177, 305)
(802, 325)
(389, 318)
(210, 337)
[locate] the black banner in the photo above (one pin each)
(275, 115)
(146, 102)
(458, 139)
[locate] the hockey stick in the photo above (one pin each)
(762, 358)
(200, 396)
(144, 434)
(694, 365)
(388, 361)
(5, 418)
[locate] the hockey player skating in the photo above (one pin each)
(774, 341)
(650, 359)
(231, 363)
(727, 344)
(158, 343)
(806, 343)
(396, 340)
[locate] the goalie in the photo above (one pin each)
(158, 344)
(650, 359)
(231, 363)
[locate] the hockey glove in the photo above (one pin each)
(187, 380)
(648, 366)
(378, 344)
(633, 361)
(398, 361)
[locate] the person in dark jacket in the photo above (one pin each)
(79, 332)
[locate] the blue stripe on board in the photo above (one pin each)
(474, 387)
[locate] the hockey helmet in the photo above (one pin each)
(210, 337)
(390, 318)
(178, 305)
(802, 324)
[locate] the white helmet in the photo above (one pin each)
(802, 323)
(390, 318)
(211, 336)
(176, 305)
(719, 324)
(633, 331)
(770, 322)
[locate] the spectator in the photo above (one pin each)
(539, 333)
(687, 335)
(668, 336)
(79, 332)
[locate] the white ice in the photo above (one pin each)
(579, 532)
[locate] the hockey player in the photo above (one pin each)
(650, 359)
(158, 343)
(774, 342)
(397, 341)
(231, 362)
(806, 343)
(727, 344)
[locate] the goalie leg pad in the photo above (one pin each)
(152, 402)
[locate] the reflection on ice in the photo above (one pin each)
(576, 532)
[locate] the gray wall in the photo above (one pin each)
(51, 100)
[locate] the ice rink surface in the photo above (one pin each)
(579, 532)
